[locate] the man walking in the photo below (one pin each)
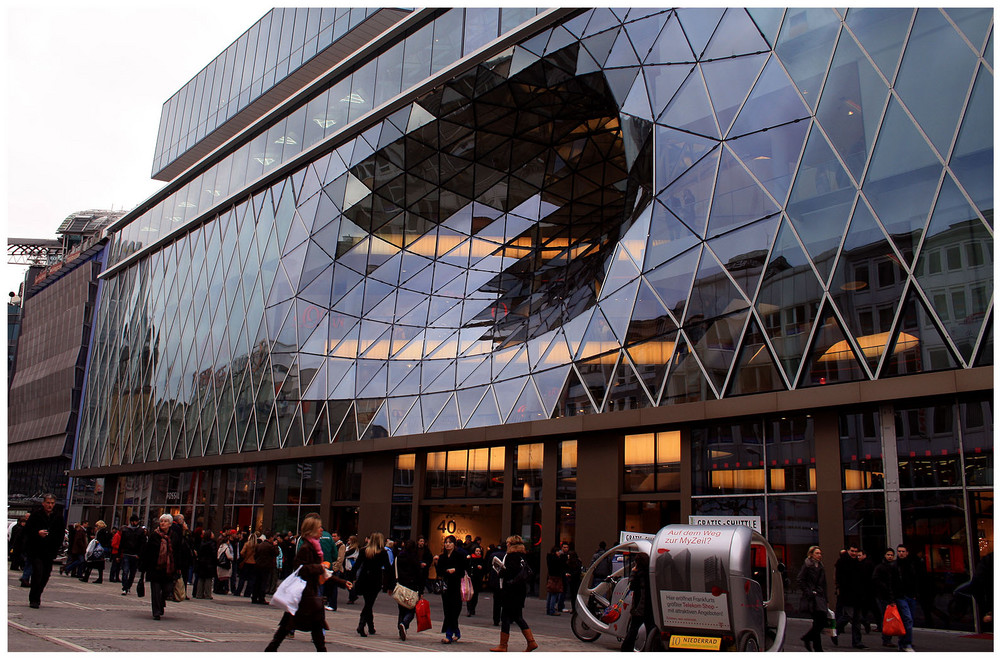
(850, 595)
(130, 545)
(43, 537)
(905, 586)
(603, 569)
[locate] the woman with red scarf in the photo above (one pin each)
(157, 561)
(310, 616)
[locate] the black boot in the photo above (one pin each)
(279, 636)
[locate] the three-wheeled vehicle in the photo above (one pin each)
(713, 588)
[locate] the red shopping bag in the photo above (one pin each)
(423, 610)
(892, 623)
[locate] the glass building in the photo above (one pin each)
(565, 273)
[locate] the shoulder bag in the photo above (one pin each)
(405, 597)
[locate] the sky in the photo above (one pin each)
(85, 86)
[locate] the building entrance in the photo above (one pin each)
(460, 520)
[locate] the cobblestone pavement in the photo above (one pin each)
(95, 617)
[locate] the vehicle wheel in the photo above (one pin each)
(581, 630)
(749, 644)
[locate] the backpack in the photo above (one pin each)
(223, 560)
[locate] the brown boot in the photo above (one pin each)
(504, 638)
(530, 638)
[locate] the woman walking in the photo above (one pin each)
(248, 566)
(812, 583)
(513, 589)
(451, 567)
(350, 559)
(157, 562)
(223, 564)
(407, 566)
(477, 570)
(310, 616)
(642, 601)
(370, 569)
(204, 566)
(95, 557)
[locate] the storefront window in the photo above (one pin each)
(864, 522)
(245, 494)
(348, 481)
(566, 476)
(977, 440)
(402, 478)
(861, 452)
(651, 516)
(528, 472)
(652, 462)
(727, 459)
(792, 527)
(791, 462)
(464, 474)
(928, 446)
(297, 493)
(526, 521)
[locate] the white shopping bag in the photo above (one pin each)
(289, 592)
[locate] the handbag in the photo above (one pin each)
(892, 622)
(405, 597)
(289, 592)
(554, 584)
(467, 590)
(612, 613)
(423, 611)
(140, 587)
(830, 628)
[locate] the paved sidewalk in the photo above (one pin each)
(89, 617)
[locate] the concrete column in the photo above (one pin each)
(890, 464)
(829, 493)
(598, 478)
(328, 474)
(375, 508)
(270, 483)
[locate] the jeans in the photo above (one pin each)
(405, 616)
(906, 606)
(852, 614)
(129, 564)
(26, 574)
(330, 589)
(551, 604)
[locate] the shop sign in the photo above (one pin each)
(726, 520)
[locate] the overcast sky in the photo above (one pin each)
(85, 85)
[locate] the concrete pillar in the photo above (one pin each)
(598, 477)
(375, 508)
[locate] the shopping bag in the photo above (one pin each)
(830, 629)
(140, 586)
(467, 591)
(423, 610)
(892, 622)
(289, 592)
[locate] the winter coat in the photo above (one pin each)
(205, 563)
(35, 546)
(371, 572)
(512, 589)
(812, 583)
(882, 580)
(477, 570)
(408, 568)
(149, 559)
(310, 612)
(224, 550)
(132, 540)
(78, 544)
(457, 560)
(906, 577)
(850, 589)
(266, 555)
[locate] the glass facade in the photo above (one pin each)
(593, 212)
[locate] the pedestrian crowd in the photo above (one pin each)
(168, 557)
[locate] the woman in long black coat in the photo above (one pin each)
(310, 616)
(513, 590)
(204, 566)
(372, 569)
(408, 573)
(451, 566)
(157, 562)
(477, 571)
(812, 583)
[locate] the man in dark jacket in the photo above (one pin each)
(603, 569)
(131, 544)
(849, 594)
(882, 585)
(905, 587)
(43, 537)
(182, 557)
(16, 547)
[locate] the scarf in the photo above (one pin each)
(165, 560)
(315, 545)
(812, 562)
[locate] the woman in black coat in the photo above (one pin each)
(372, 569)
(451, 566)
(204, 566)
(642, 601)
(513, 590)
(408, 573)
(157, 562)
(310, 616)
(812, 583)
(477, 570)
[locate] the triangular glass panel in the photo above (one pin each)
(596, 373)
(767, 20)
(574, 399)
(585, 63)
(372, 378)
(676, 152)
(955, 268)
(599, 46)
(649, 318)
(437, 375)
(623, 270)
(528, 406)
(738, 199)
(620, 81)
(729, 83)
(854, 99)
(985, 357)
(744, 252)
(699, 25)
(712, 294)
(671, 46)
(934, 51)
(688, 197)
(637, 102)
(736, 35)
(469, 400)
(788, 300)
(772, 155)
(617, 308)
(686, 382)
(672, 281)
(832, 358)
(805, 45)
(626, 391)
(622, 54)
(974, 22)
(867, 276)
(690, 108)
(651, 360)
(901, 179)
(398, 409)
(715, 343)
(881, 32)
(755, 371)
(549, 384)
(642, 31)
(599, 337)
(348, 430)
(820, 202)
(435, 405)
(917, 346)
(379, 426)
(972, 159)
(486, 414)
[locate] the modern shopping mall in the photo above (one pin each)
(565, 273)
